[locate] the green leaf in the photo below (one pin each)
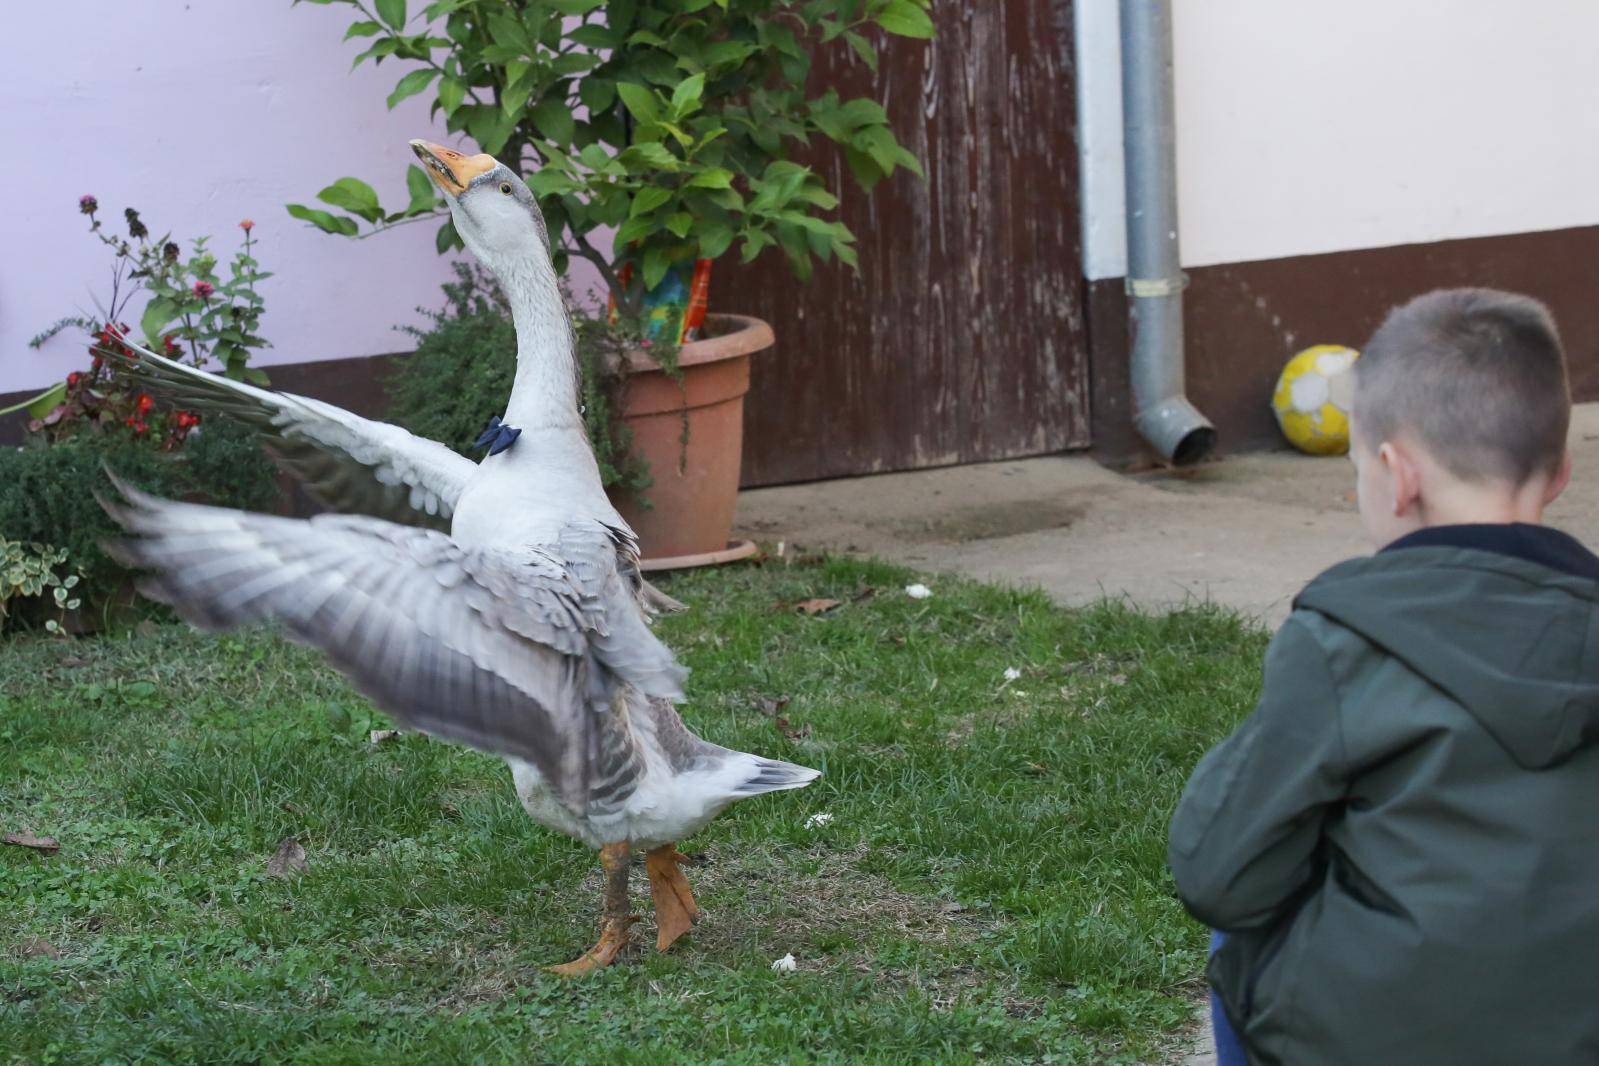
(551, 182)
(599, 38)
(640, 102)
(256, 376)
(712, 178)
(411, 84)
(595, 157)
(516, 70)
(451, 92)
(648, 199)
(863, 48)
(385, 47)
(632, 230)
(656, 264)
(906, 19)
(323, 220)
(421, 190)
(754, 242)
(157, 313)
(365, 28)
(863, 112)
(597, 94)
(515, 98)
(447, 237)
(554, 120)
(391, 11)
(686, 97)
(355, 196)
(509, 32)
(640, 156)
(715, 239)
(575, 7)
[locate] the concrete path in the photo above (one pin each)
(1247, 532)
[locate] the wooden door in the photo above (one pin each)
(962, 338)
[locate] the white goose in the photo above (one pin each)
(523, 632)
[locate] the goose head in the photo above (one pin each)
(495, 213)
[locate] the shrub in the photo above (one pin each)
(461, 374)
(36, 576)
(47, 494)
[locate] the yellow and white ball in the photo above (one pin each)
(1313, 398)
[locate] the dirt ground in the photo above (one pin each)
(1247, 531)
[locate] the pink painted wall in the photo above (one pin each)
(201, 113)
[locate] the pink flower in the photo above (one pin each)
(203, 289)
(247, 225)
(88, 205)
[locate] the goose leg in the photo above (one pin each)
(675, 909)
(615, 858)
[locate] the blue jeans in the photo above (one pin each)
(1229, 1050)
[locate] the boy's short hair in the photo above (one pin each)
(1477, 376)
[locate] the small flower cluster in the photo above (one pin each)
(197, 316)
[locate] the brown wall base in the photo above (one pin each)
(1243, 321)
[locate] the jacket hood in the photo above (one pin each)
(1502, 619)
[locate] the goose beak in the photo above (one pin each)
(451, 171)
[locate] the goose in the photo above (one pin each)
(498, 604)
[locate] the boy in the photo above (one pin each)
(1401, 843)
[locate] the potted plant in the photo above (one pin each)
(668, 128)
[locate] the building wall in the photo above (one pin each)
(1334, 160)
(201, 113)
(1311, 128)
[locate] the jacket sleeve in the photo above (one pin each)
(1246, 836)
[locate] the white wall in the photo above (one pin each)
(1306, 127)
(201, 113)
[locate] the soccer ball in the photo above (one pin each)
(1313, 396)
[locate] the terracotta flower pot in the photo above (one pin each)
(689, 515)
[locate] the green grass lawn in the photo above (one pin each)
(991, 884)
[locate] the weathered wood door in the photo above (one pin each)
(962, 338)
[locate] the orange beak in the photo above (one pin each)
(451, 171)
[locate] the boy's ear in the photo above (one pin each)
(1404, 477)
(1558, 483)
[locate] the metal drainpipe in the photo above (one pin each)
(1155, 280)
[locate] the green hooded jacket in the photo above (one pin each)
(1402, 841)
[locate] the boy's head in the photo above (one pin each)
(1460, 413)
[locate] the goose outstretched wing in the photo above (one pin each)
(350, 464)
(514, 653)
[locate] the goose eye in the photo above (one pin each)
(505, 187)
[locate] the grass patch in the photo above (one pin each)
(991, 884)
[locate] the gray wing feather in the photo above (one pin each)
(348, 463)
(513, 653)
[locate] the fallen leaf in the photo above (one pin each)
(73, 662)
(147, 628)
(789, 731)
(289, 859)
(25, 839)
(378, 736)
(1118, 679)
(35, 948)
(769, 706)
(954, 908)
(817, 606)
(863, 592)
